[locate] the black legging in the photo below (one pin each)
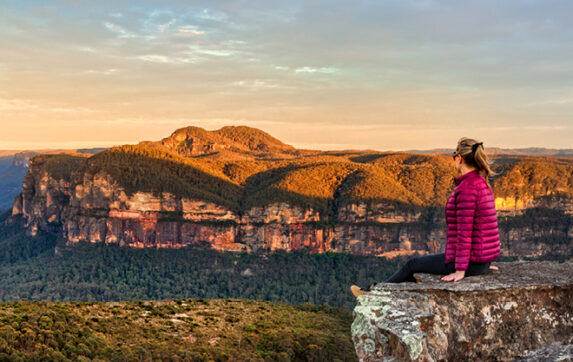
(433, 264)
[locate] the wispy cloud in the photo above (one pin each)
(156, 58)
(325, 70)
(559, 101)
(212, 50)
(121, 32)
(109, 71)
(23, 105)
(189, 31)
(258, 84)
(16, 105)
(212, 15)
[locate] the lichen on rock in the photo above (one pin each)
(553, 353)
(502, 315)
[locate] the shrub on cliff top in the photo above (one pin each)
(139, 168)
(60, 166)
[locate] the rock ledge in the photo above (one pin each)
(502, 315)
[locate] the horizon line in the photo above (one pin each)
(73, 146)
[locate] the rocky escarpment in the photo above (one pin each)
(96, 209)
(503, 315)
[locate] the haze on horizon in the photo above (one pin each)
(382, 75)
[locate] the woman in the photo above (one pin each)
(472, 236)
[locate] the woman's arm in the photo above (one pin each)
(466, 202)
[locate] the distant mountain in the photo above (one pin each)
(493, 151)
(11, 153)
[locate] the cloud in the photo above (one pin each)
(325, 70)
(212, 15)
(212, 50)
(109, 71)
(22, 105)
(560, 101)
(121, 32)
(156, 58)
(259, 84)
(189, 31)
(16, 105)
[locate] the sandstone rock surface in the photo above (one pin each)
(502, 315)
(95, 208)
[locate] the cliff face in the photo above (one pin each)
(511, 206)
(502, 315)
(525, 230)
(94, 208)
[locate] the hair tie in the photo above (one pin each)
(475, 146)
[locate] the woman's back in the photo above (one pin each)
(473, 233)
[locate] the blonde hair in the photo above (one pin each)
(474, 155)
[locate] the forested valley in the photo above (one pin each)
(41, 268)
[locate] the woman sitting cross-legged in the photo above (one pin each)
(472, 231)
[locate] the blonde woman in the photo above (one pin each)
(472, 230)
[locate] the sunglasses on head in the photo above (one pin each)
(454, 155)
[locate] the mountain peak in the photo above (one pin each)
(243, 141)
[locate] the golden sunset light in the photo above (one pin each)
(321, 75)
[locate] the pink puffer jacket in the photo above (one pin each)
(472, 222)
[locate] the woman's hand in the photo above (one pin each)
(458, 275)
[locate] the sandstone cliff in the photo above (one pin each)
(503, 315)
(94, 208)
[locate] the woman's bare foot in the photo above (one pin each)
(357, 291)
(493, 267)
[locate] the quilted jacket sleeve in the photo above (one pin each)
(466, 202)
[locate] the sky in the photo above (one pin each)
(329, 75)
